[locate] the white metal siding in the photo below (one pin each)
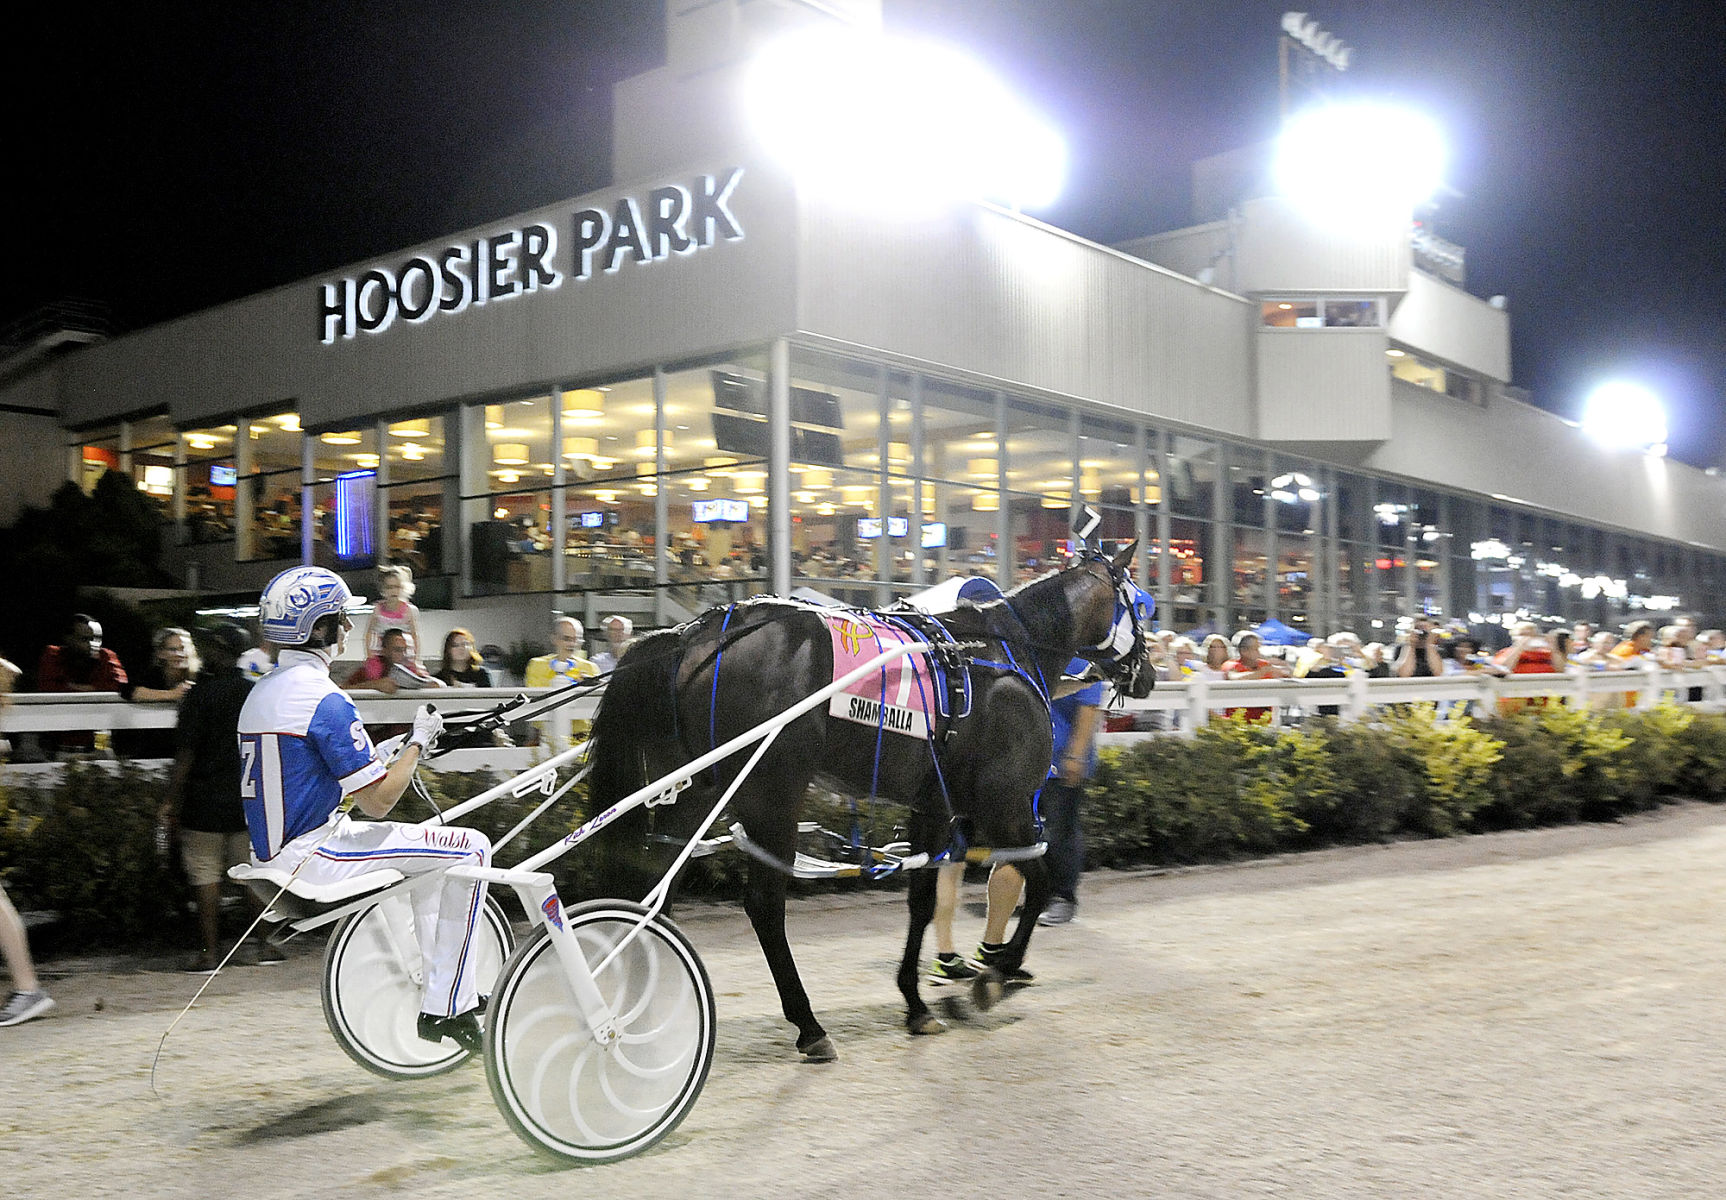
(993, 294)
(1446, 322)
(1187, 251)
(1528, 453)
(1282, 250)
(1323, 385)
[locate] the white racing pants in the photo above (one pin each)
(445, 917)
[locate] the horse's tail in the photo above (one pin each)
(637, 711)
(634, 734)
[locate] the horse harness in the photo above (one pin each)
(951, 664)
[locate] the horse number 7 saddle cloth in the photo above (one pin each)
(899, 697)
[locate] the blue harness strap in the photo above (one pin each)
(713, 696)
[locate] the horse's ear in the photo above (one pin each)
(1125, 557)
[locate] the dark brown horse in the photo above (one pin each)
(679, 693)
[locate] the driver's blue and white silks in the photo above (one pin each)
(302, 749)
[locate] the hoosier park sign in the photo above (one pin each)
(676, 219)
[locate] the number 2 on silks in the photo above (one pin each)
(248, 769)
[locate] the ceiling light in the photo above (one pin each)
(411, 429)
(509, 454)
(583, 407)
(346, 438)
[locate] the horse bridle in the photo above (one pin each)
(1121, 654)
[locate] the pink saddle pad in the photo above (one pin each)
(895, 698)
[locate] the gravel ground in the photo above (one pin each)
(1528, 1014)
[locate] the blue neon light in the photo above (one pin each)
(353, 514)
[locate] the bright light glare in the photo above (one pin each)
(1361, 160)
(1619, 413)
(886, 119)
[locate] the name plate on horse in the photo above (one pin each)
(898, 697)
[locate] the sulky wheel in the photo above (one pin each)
(371, 999)
(559, 1089)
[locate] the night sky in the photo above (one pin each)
(164, 158)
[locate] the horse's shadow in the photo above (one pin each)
(767, 1040)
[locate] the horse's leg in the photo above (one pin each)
(1036, 873)
(918, 1018)
(765, 903)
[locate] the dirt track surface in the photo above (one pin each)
(1528, 1015)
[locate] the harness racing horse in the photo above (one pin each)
(680, 692)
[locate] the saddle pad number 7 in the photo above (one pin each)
(896, 697)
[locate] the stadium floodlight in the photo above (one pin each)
(892, 120)
(1359, 161)
(1627, 415)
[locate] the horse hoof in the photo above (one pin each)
(821, 1050)
(987, 989)
(926, 1023)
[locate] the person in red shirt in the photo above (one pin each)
(1248, 663)
(1529, 653)
(80, 663)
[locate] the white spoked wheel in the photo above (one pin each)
(559, 1089)
(372, 1000)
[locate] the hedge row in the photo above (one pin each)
(1239, 789)
(84, 847)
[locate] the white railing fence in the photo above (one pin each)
(1188, 704)
(1185, 705)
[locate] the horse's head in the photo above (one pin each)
(1104, 602)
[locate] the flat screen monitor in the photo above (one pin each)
(868, 527)
(593, 520)
(223, 476)
(898, 526)
(704, 511)
(934, 535)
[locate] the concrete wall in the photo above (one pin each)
(1323, 385)
(1283, 250)
(1445, 322)
(33, 461)
(1007, 298)
(1517, 450)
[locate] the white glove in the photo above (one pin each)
(427, 726)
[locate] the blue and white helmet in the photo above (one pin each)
(293, 602)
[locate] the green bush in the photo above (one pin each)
(1657, 755)
(1559, 764)
(1454, 759)
(1704, 772)
(1379, 783)
(85, 848)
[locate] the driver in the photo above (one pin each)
(303, 749)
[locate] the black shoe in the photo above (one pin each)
(462, 1029)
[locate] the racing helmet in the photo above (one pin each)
(293, 602)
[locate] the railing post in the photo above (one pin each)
(1358, 700)
(1198, 711)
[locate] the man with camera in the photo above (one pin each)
(1417, 654)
